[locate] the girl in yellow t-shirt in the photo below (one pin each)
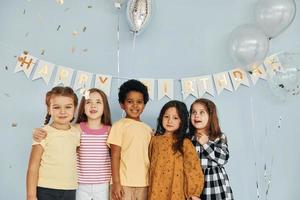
(52, 165)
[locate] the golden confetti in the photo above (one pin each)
(58, 28)
(43, 52)
(84, 29)
(90, 6)
(75, 33)
(14, 124)
(73, 49)
(60, 2)
(25, 52)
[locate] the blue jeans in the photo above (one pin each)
(55, 194)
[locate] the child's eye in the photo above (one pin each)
(99, 102)
(87, 102)
(56, 107)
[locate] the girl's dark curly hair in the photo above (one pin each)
(180, 134)
(133, 85)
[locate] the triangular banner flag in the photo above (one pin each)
(63, 76)
(165, 87)
(238, 77)
(83, 80)
(258, 72)
(189, 87)
(272, 64)
(222, 82)
(149, 83)
(205, 85)
(43, 70)
(25, 63)
(103, 82)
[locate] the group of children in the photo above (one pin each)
(183, 159)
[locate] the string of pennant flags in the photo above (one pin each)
(212, 84)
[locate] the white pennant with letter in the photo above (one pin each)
(272, 65)
(103, 82)
(258, 72)
(83, 80)
(238, 77)
(222, 82)
(189, 87)
(63, 76)
(149, 83)
(205, 85)
(25, 63)
(43, 70)
(165, 87)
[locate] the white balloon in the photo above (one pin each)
(248, 45)
(138, 14)
(274, 16)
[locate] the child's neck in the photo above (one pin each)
(60, 126)
(94, 123)
(136, 119)
(201, 132)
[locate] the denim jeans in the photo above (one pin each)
(55, 194)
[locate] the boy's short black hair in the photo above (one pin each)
(133, 85)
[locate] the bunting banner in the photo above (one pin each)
(25, 63)
(238, 77)
(43, 70)
(149, 83)
(197, 87)
(165, 88)
(63, 76)
(103, 82)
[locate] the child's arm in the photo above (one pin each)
(33, 171)
(193, 175)
(117, 190)
(217, 151)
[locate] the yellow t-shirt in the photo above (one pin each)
(58, 163)
(133, 137)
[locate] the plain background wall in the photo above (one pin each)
(183, 39)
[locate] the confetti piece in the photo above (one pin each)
(73, 49)
(24, 11)
(58, 28)
(26, 34)
(43, 52)
(90, 6)
(14, 124)
(6, 68)
(7, 95)
(9, 166)
(67, 9)
(25, 52)
(85, 50)
(60, 2)
(84, 29)
(75, 33)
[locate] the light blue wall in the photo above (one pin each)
(184, 38)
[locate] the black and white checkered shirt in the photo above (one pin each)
(213, 156)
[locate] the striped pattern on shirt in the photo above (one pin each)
(94, 165)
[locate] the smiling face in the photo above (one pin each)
(199, 117)
(133, 105)
(171, 120)
(94, 106)
(61, 109)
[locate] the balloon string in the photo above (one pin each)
(254, 146)
(133, 42)
(118, 50)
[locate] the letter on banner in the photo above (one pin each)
(63, 76)
(103, 82)
(189, 86)
(272, 65)
(205, 85)
(258, 72)
(238, 77)
(222, 82)
(149, 83)
(165, 87)
(43, 70)
(25, 63)
(83, 80)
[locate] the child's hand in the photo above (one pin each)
(39, 134)
(202, 139)
(117, 191)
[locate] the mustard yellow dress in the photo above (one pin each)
(173, 176)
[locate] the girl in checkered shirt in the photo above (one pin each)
(212, 149)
